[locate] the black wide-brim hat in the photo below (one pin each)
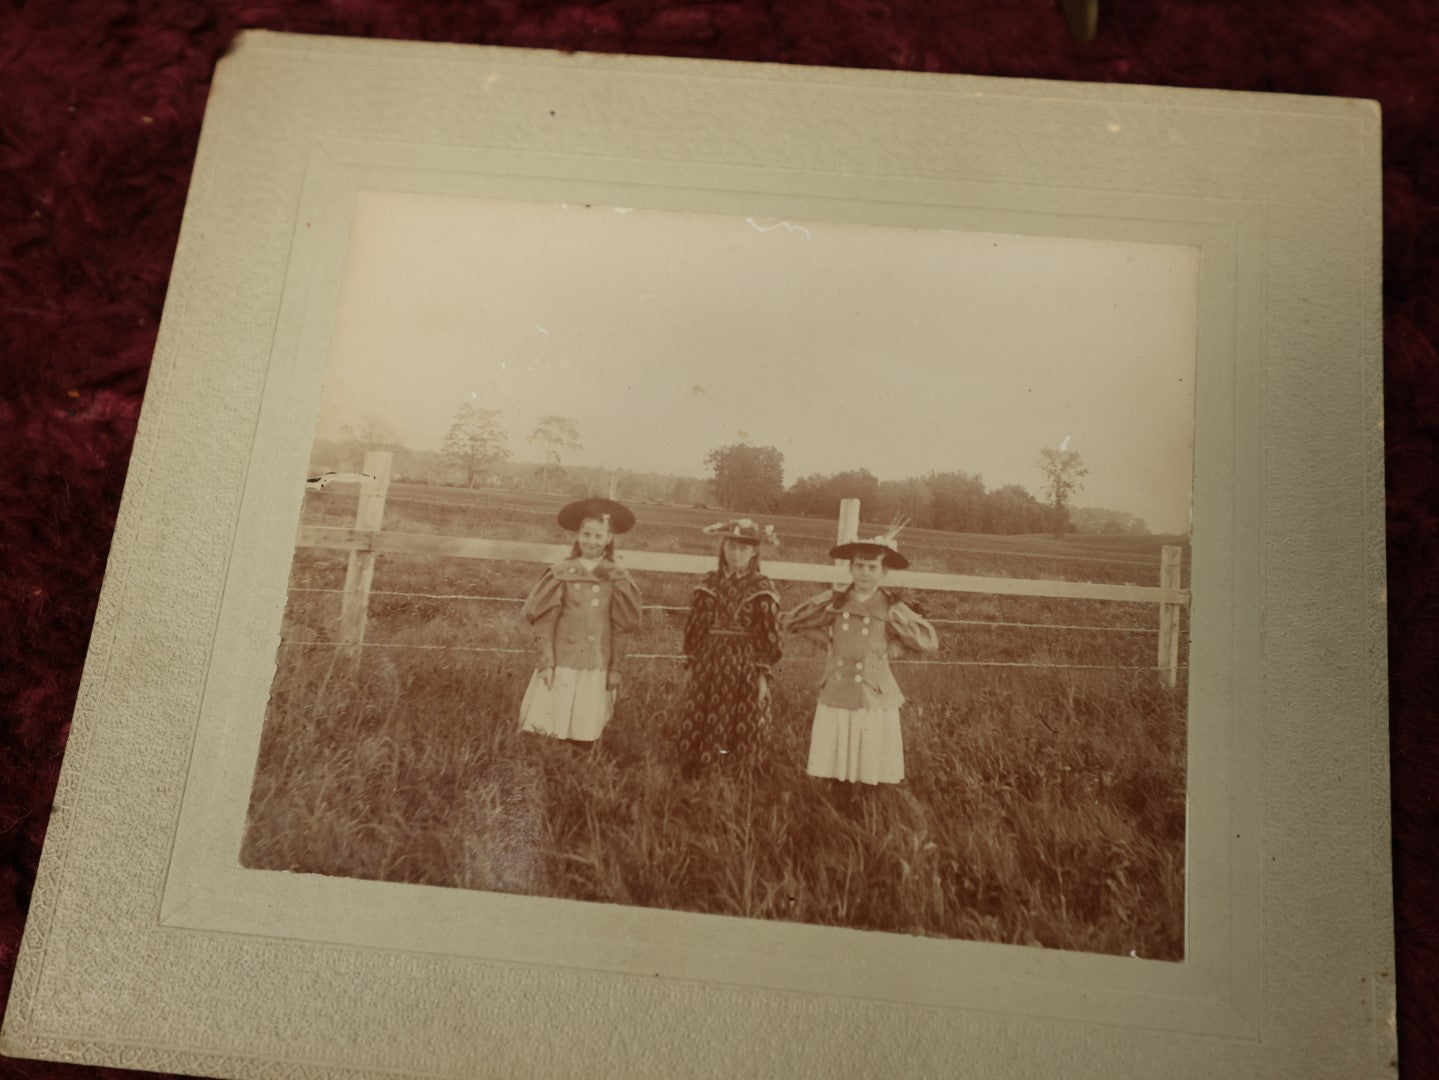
(868, 549)
(620, 518)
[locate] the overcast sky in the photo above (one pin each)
(665, 335)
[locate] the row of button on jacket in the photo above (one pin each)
(580, 615)
(860, 636)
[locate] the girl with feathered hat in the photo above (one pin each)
(856, 733)
(581, 610)
(731, 643)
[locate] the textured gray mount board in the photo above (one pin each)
(148, 948)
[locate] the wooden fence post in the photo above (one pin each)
(355, 603)
(848, 528)
(1169, 615)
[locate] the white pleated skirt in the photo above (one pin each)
(575, 706)
(860, 745)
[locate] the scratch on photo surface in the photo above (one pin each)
(624, 209)
(542, 330)
(787, 226)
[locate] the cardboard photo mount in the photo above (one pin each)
(149, 947)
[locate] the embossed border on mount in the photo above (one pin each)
(148, 947)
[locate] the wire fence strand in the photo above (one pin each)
(800, 659)
(678, 608)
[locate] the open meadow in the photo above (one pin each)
(1044, 801)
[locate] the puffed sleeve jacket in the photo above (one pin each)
(581, 617)
(860, 636)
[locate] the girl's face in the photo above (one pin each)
(868, 573)
(738, 554)
(593, 538)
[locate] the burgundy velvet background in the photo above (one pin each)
(100, 107)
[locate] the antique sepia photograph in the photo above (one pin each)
(792, 570)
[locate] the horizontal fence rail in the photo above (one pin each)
(337, 538)
(365, 541)
(929, 543)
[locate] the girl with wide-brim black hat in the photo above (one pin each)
(581, 611)
(731, 643)
(856, 733)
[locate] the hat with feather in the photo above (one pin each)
(885, 546)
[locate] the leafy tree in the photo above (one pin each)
(858, 484)
(1011, 510)
(556, 435)
(957, 501)
(475, 440)
(747, 477)
(911, 498)
(819, 494)
(807, 495)
(1097, 519)
(1064, 473)
(685, 489)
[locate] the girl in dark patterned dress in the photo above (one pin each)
(731, 642)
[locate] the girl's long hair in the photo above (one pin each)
(752, 568)
(609, 552)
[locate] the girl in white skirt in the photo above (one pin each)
(580, 610)
(856, 734)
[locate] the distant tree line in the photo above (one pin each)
(743, 478)
(1096, 519)
(473, 454)
(952, 501)
(751, 479)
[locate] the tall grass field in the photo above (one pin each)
(1044, 797)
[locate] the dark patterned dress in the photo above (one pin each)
(731, 641)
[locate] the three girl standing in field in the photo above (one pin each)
(585, 605)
